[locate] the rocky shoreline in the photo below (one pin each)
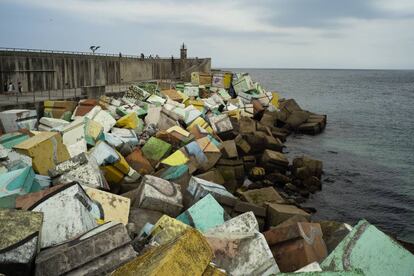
(185, 179)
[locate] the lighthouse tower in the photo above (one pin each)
(183, 51)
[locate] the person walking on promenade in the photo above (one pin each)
(5, 87)
(11, 87)
(20, 88)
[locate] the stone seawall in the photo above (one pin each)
(40, 71)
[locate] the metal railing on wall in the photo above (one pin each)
(120, 55)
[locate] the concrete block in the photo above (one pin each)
(128, 121)
(82, 254)
(262, 196)
(370, 250)
(167, 229)
(240, 249)
(189, 254)
(140, 216)
(173, 95)
(48, 124)
(212, 175)
(296, 245)
(93, 132)
(84, 106)
(230, 149)
(139, 163)
(24, 202)
(9, 140)
(15, 119)
(19, 243)
(199, 188)
(221, 124)
(333, 233)
(222, 80)
(82, 169)
(273, 160)
(204, 214)
(200, 78)
(59, 109)
(155, 149)
(232, 171)
(191, 91)
(160, 195)
(115, 207)
(46, 151)
(67, 213)
(127, 136)
(277, 213)
(13, 184)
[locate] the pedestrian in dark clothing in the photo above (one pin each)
(5, 87)
(20, 87)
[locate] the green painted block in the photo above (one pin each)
(156, 149)
(10, 140)
(13, 184)
(370, 250)
(205, 214)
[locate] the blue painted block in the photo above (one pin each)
(205, 214)
(194, 149)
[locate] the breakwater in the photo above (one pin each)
(40, 70)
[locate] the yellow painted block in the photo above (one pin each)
(46, 150)
(212, 270)
(275, 99)
(188, 254)
(115, 172)
(179, 130)
(167, 229)
(115, 207)
(185, 97)
(176, 159)
(196, 103)
(122, 164)
(202, 123)
(94, 129)
(227, 80)
(128, 121)
(234, 113)
(112, 174)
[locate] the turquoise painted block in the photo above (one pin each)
(205, 214)
(10, 140)
(173, 173)
(40, 182)
(13, 184)
(370, 250)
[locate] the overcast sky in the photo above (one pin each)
(268, 33)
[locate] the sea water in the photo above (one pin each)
(367, 147)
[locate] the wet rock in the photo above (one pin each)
(278, 178)
(292, 188)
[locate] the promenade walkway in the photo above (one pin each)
(38, 96)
